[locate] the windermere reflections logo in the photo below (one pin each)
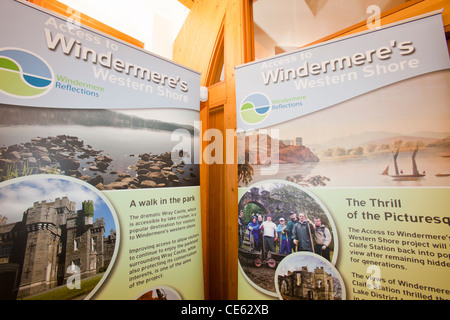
(255, 108)
(24, 74)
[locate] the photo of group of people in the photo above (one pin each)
(277, 219)
(298, 234)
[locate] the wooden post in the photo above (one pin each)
(218, 35)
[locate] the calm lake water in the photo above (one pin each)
(366, 171)
(122, 144)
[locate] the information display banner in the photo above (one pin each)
(76, 67)
(293, 85)
(99, 178)
(344, 187)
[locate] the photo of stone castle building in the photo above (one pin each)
(51, 242)
(307, 285)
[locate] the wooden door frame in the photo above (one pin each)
(216, 37)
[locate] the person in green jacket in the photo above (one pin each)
(293, 220)
(303, 234)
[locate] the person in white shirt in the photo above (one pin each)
(270, 235)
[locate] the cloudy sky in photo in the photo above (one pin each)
(17, 197)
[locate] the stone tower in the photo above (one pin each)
(84, 243)
(41, 260)
(323, 284)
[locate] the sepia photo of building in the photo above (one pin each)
(306, 285)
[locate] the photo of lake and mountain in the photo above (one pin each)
(110, 149)
(397, 136)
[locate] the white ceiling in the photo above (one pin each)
(282, 25)
(154, 22)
